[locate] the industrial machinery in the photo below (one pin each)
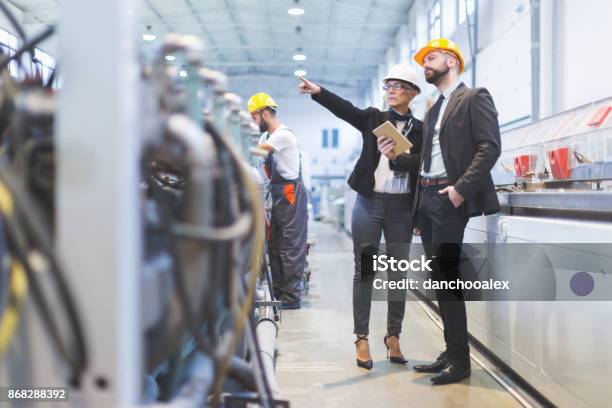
(554, 182)
(207, 324)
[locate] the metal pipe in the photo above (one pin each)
(233, 102)
(191, 45)
(193, 393)
(245, 134)
(217, 82)
(200, 159)
(242, 371)
(200, 149)
(172, 98)
(255, 133)
(266, 331)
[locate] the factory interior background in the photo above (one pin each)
(135, 215)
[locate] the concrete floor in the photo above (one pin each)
(316, 361)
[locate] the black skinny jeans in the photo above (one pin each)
(388, 214)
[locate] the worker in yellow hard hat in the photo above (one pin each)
(289, 212)
(461, 143)
(260, 102)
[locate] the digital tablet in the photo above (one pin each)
(388, 130)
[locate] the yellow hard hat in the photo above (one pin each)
(440, 44)
(259, 101)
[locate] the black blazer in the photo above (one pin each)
(366, 120)
(470, 145)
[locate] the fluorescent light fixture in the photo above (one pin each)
(299, 72)
(183, 74)
(299, 57)
(149, 37)
(170, 57)
(296, 11)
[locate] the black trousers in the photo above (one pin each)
(388, 214)
(442, 228)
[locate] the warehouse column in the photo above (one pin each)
(549, 61)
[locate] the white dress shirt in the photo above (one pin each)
(436, 168)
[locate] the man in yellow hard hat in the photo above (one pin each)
(289, 213)
(461, 144)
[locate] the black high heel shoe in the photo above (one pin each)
(364, 364)
(394, 359)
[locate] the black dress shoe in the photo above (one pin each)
(368, 364)
(394, 359)
(455, 372)
(440, 364)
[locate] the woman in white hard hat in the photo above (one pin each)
(384, 184)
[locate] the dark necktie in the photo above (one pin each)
(432, 119)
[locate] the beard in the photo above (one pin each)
(436, 75)
(263, 126)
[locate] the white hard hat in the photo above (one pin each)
(404, 72)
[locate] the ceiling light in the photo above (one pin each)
(296, 11)
(299, 72)
(149, 37)
(299, 57)
(170, 57)
(183, 74)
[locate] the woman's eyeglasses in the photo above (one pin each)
(396, 86)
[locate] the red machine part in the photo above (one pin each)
(600, 116)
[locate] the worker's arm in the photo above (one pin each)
(266, 146)
(279, 140)
(340, 107)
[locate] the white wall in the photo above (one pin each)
(503, 62)
(503, 59)
(576, 75)
(503, 52)
(416, 22)
(584, 58)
